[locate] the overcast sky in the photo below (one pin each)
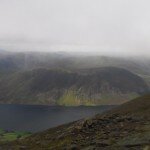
(106, 26)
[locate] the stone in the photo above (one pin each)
(74, 147)
(102, 144)
(22, 148)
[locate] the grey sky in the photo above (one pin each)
(106, 26)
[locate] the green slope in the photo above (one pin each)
(6, 136)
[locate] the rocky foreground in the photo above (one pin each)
(124, 128)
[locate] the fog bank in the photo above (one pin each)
(103, 26)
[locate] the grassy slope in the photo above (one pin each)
(6, 136)
(70, 98)
(43, 86)
(124, 128)
(139, 106)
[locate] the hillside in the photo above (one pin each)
(71, 61)
(11, 62)
(124, 128)
(137, 107)
(108, 85)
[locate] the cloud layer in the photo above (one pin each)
(107, 26)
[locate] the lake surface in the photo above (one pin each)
(35, 118)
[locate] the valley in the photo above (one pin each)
(48, 100)
(74, 75)
(36, 118)
(125, 127)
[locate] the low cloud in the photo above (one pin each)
(104, 26)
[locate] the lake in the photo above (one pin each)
(36, 118)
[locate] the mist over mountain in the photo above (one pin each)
(107, 27)
(62, 78)
(72, 54)
(71, 61)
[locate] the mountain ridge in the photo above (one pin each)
(108, 85)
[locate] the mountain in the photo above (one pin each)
(26, 78)
(107, 85)
(126, 127)
(11, 62)
(69, 61)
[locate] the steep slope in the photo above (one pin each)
(108, 85)
(124, 128)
